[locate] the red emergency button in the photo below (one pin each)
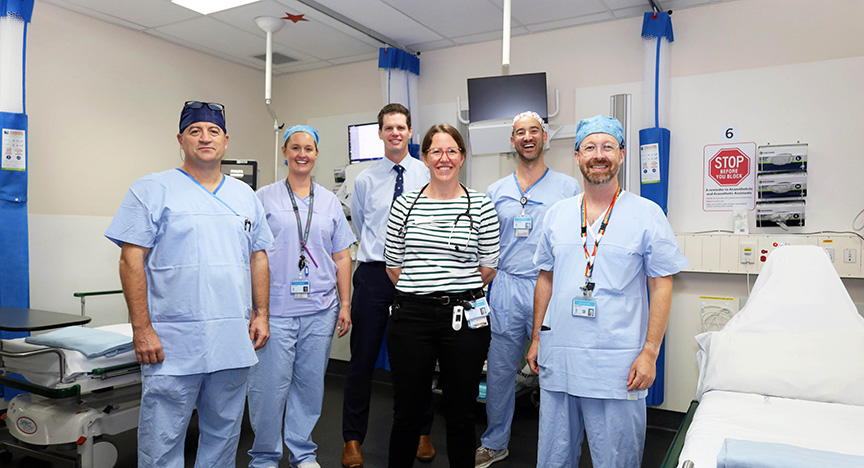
(763, 258)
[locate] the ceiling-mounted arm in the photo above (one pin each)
(459, 112)
(557, 107)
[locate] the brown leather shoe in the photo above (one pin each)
(351, 457)
(425, 450)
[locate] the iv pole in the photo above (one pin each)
(270, 25)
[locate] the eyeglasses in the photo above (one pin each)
(210, 105)
(605, 150)
(438, 152)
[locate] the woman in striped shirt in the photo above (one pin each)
(441, 250)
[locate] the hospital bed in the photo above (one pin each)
(782, 384)
(73, 400)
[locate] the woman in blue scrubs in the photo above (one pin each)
(310, 291)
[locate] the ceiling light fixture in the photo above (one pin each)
(205, 7)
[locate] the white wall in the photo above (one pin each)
(104, 103)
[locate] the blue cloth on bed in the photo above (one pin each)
(749, 454)
(88, 341)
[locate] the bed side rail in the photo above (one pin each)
(115, 371)
(84, 295)
(674, 452)
(23, 354)
(48, 392)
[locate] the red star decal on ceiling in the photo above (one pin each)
(294, 18)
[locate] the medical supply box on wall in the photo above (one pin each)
(782, 157)
(781, 185)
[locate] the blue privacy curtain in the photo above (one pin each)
(14, 257)
(399, 74)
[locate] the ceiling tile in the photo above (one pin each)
(488, 36)
(631, 12)
(354, 58)
(226, 40)
(312, 37)
(381, 17)
(534, 12)
(433, 45)
(136, 14)
(452, 17)
(566, 23)
(619, 4)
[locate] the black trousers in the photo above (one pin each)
(418, 335)
(370, 307)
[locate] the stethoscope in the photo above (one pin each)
(467, 213)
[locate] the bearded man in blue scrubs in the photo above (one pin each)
(196, 281)
(596, 337)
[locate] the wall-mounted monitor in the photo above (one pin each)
(503, 97)
(245, 170)
(364, 143)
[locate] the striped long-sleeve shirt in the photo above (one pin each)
(438, 252)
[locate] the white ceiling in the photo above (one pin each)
(421, 25)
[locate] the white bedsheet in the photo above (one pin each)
(815, 425)
(44, 370)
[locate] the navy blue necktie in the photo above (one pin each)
(399, 181)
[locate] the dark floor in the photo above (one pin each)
(328, 434)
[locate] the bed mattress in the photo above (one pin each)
(814, 425)
(44, 369)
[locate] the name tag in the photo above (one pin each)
(478, 314)
(300, 289)
(583, 307)
(522, 226)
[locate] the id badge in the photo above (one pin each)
(479, 309)
(522, 226)
(300, 289)
(479, 322)
(584, 307)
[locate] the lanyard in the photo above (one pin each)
(524, 195)
(589, 266)
(303, 237)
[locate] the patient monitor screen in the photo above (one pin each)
(363, 143)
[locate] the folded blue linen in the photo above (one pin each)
(750, 454)
(89, 341)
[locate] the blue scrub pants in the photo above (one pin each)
(615, 428)
(167, 402)
(512, 301)
(286, 387)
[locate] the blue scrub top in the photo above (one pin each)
(517, 253)
(591, 357)
(330, 233)
(199, 290)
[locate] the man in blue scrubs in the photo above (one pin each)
(196, 281)
(596, 337)
(521, 200)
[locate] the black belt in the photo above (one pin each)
(440, 299)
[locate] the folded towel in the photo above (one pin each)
(88, 341)
(750, 454)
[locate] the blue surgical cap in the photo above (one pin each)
(300, 128)
(599, 124)
(190, 115)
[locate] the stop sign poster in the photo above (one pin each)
(729, 177)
